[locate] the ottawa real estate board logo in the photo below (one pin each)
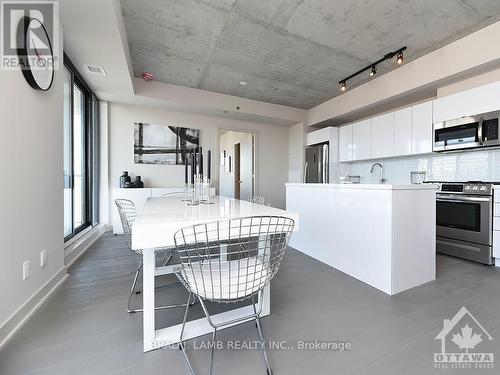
(464, 343)
(29, 28)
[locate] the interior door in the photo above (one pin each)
(237, 170)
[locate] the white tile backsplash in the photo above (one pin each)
(459, 166)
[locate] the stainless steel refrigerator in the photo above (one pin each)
(316, 166)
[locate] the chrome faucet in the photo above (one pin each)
(382, 179)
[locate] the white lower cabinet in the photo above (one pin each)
(421, 128)
(383, 136)
(362, 140)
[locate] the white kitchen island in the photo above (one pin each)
(383, 235)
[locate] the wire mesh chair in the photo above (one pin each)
(128, 213)
(258, 199)
(230, 261)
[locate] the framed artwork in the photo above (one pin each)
(159, 144)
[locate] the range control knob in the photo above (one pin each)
(483, 188)
(475, 188)
(467, 187)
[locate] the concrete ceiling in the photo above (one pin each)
(291, 52)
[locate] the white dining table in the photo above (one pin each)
(155, 226)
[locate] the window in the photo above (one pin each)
(81, 129)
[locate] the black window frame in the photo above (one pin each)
(91, 169)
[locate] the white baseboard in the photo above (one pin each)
(77, 248)
(26, 311)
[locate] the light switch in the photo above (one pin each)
(26, 270)
(43, 258)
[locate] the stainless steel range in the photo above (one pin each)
(464, 218)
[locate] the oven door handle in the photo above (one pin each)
(463, 199)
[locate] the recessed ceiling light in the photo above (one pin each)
(243, 83)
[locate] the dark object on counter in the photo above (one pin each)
(128, 185)
(193, 167)
(201, 166)
(209, 164)
(124, 178)
(138, 183)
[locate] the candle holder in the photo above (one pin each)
(187, 193)
(195, 191)
(206, 196)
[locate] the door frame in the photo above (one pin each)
(255, 134)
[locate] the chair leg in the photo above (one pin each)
(263, 341)
(165, 307)
(214, 334)
(182, 347)
(167, 285)
(132, 290)
(168, 259)
(261, 338)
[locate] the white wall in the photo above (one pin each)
(469, 83)
(271, 148)
(226, 179)
(104, 190)
(31, 198)
(296, 141)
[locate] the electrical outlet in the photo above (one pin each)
(43, 258)
(26, 270)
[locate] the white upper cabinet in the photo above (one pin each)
(402, 132)
(470, 102)
(383, 135)
(421, 128)
(345, 143)
(362, 140)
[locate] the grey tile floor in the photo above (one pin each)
(83, 328)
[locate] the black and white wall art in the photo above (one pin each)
(159, 144)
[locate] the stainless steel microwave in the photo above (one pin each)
(467, 132)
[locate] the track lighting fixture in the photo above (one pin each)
(400, 58)
(373, 66)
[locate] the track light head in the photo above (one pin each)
(343, 86)
(373, 71)
(400, 58)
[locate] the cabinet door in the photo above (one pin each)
(383, 136)
(345, 143)
(402, 132)
(362, 140)
(421, 128)
(469, 102)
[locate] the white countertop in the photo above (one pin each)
(367, 186)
